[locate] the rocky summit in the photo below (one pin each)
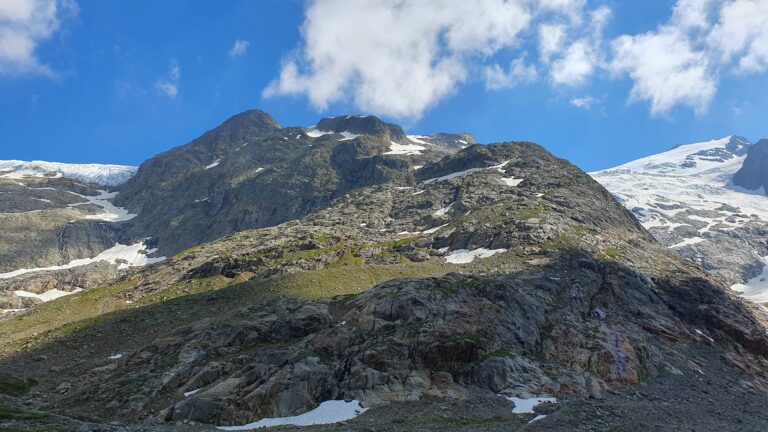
(353, 275)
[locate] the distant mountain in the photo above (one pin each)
(690, 200)
(100, 174)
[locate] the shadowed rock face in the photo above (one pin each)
(754, 172)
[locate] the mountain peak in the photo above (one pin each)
(254, 118)
(361, 125)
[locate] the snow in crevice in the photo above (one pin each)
(687, 242)
(192, 392)
(213, 164)
(404, 149)
(112, 213)
(444, 211)
(464, 256)
(123, 255)
(101, 174)
(328, 412)
(499, 167)
(418, 139)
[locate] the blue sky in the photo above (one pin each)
(118, 82)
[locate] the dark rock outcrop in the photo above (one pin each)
(754, 172)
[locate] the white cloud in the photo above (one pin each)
(239, 48)
(399, 58)
(585, 102)
(170, 86)
(552, 39)
(666, 70)
(519, 72)
(24, 25)
(680, 62)
(742, 33)
(576, 66)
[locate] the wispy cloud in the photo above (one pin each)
(239, 48)
(169, 86)
(519, 72)
(585, 102)
(24, 25)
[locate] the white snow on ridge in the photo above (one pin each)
(313, 132)
(464, 256)
(125, 256)
(404, 149)
(328, 412)
(101, 174)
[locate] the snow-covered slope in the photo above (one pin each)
(105, 175)
(686, 198)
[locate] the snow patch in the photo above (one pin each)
(213, 164)
(348, 136)
(443, 211)
(511, 181)
(755, 289)
(435, 229)
(48, 295)
(418, 139)
(404, 149)
(328, 412)
(192, 392)
(125, 256)
(526, 405)
(499, 167)
(687, 242)
(464, 256)
(112, 213)
(116, 356)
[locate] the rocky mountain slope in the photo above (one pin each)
(250, 172)
(448, 297)
(690, 199)
(60, 230)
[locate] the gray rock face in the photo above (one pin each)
(251, 173)
(753, 174)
